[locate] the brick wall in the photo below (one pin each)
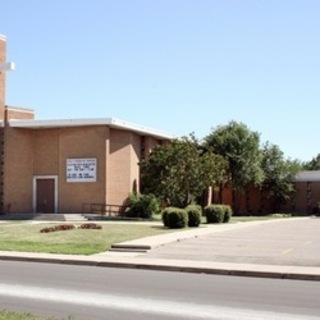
(134, 162)
(82, 142)
(46, 152)
(123, 172)
(18, 170)
(2, 75)
(150, 143)
(18, 113)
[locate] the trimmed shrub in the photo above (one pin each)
(60, 227)
(316, 211)
(194, 215)
(47, 229)
(142, 206)
(175, 218)
(214, 213)
(90, 226)
(165, 217)
(227, 213)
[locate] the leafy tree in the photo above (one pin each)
(279, 175)
(241, 147)
(314, 164)
(178, 172)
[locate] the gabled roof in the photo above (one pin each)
(308, 176)
(110, 122)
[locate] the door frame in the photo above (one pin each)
(34, 191)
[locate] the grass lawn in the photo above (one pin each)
(21, 236)
(235, 219)
(10, 315)
(27, 237)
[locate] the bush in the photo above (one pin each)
(90, 226)
(214, 213)
(60, 227)
(194, 215)
(175, 218)
(142, 206)
(165, 217)
(316, 211)
(227, 213)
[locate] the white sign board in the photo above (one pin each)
(82, 170)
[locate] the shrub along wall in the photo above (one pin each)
(143, 206)
(194, 215)
(218, 213)
(175, 218)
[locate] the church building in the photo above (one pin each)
(58, 166)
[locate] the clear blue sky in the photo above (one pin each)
(180, 66)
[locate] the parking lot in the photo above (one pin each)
(292, 242)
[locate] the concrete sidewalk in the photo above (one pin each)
(134, 254)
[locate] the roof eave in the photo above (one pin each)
(111, 122)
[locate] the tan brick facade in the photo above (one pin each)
(83, 142)
(18, 170)
(32, 154)
(123, 169)
(11, 113)
(3, 44)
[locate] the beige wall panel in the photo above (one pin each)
(150, 143)
(82, 142)
(122, 165)
(134, 162)
(20, 115)
(2, 76)
(18, 170)
(46, 152)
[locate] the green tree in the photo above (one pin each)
(180, 171)
(314, 164)
(279, 175)
(241, 147)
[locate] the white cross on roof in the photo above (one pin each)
(9, 66)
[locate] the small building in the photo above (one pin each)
(53, 166)
(307, 199)
(255, 201)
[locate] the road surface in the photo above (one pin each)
(106, 293)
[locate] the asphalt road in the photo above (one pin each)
(106, 293)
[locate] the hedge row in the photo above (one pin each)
(175, 218)
(218, 213)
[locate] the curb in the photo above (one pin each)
(257, 271)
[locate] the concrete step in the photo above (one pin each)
(122, 247)
(75, 217)
(50, 217)
(138, 250)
